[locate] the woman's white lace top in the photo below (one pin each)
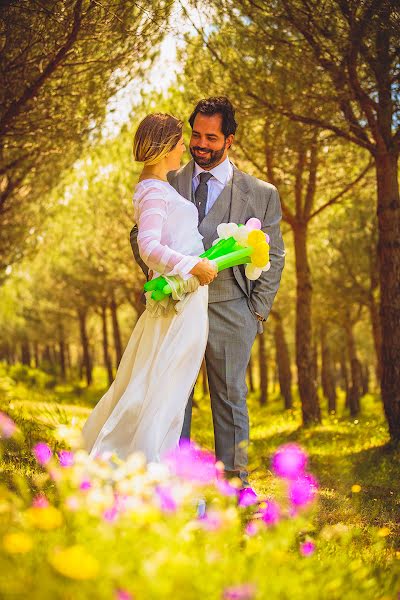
(168, 239)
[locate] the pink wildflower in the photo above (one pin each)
(225, 487)
(110, 514)
(192, 463)
(85, 485)
(271, 513)
(66, 458)
(166, 499)
(252, 528)
(247, 497)
(40, 501)
(246, 591)
(307, 548)
(123, 595)
(211, 521)
(7, 426)
(42, 453)
(303, 490)
(289, 461)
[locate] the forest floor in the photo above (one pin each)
(357, 469)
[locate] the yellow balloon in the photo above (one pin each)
(256, 237)
(260, 256)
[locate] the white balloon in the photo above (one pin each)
(241, 235)
(226, 230)
(252, 272)
(267, 267)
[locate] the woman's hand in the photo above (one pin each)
(205, 271)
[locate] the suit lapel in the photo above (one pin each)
(184, 181)
(240, 197)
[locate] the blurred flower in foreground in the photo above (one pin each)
(226, 488)
(74, 562)
(7, 426)
(252, 528)
(211, 520)
(69, 434)
(123, 595)
(42, 453)
(307, 548)
(384, 532)
(303, 490)
(17, 543)
(247, 497)
(270, 513)
(40, 501)
(166, 499)
(191, 463)
(289, 461)
(66, 458)
(46, 517)
(246, 591)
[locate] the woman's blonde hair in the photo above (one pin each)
(156, 135)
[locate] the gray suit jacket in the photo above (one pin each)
(248, 197)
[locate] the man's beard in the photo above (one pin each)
(208, 160)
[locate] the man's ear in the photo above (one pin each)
(229, 140)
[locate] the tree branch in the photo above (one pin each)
(16, 107)
(343, 192)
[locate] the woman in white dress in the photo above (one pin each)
(143, 410)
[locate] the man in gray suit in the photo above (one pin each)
(237, 306)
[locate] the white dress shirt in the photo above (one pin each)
(221, 174)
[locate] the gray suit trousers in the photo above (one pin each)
(233, 329)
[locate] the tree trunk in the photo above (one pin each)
(365, 379)
(61, 348)
(389, 270)
(344, 375)
(262, 357)
(36, 354)
(48, 357)
(355, 369)
(68, 363)
(327, 377)
(116, 331)
(106, 355)
(86, 360)
(283, 362)
(376, 335)
(250, 375)
(304, 352)
(25, 353)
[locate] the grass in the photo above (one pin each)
(342, 452)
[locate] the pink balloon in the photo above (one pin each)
(253, 223)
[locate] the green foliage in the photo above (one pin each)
(31, 377)
(60, 64)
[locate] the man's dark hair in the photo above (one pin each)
(217, 106)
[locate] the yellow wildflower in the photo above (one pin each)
(17, 543)
(356, 489)
(384, 532)
(74, 562)
(45, 517)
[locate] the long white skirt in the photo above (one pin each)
(144, 408)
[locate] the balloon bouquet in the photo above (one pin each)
(235, 245)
